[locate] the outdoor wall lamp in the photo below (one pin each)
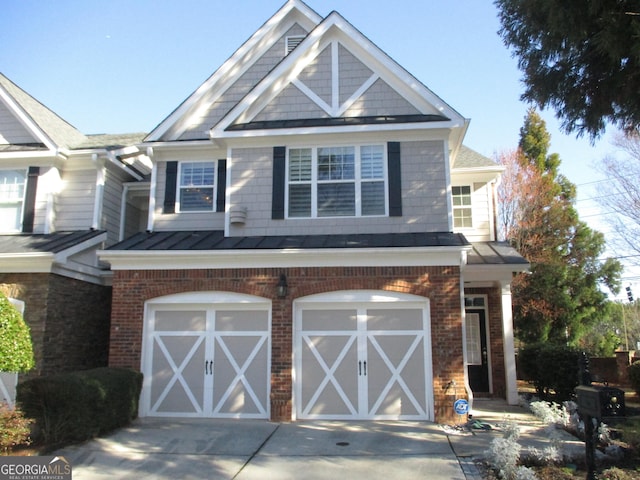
(282, 288)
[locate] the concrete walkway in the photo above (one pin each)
(157, 448)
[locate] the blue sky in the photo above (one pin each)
(120, 66)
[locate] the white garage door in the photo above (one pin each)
(364, 356)
(207, 360)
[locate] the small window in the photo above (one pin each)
(196, 184)
(462, 217)
(12, 189)
(292, 42)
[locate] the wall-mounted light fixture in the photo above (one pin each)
(282, 288)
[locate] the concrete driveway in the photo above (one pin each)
(156, 448)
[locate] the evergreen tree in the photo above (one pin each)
(581, 58)
(560, 298)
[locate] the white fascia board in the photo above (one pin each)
(26, 262)
(218, 137)
(62, 256)
(49, 155)
(239, 62)
(283, 258)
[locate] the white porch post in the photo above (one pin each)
(509, 348)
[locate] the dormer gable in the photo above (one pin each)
(26, 124)
(238, 75)
(336, 77)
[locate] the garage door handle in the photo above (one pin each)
(359, 368)
(365, 368)
(208, 367)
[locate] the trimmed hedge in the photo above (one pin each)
(551, 368)
(634, 377)
(77, 406)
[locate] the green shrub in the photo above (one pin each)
(16, 350)
(553, 369)
(14, 428)
(634, 377)
(80, 405)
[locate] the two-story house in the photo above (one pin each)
(61, 199)
(319, 242)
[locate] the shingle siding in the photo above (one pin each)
(200, 125)
(76, 200)
(11, 131)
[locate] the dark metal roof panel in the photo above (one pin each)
(49, 243)
(494, 253)
(215, 240)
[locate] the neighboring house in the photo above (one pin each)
(319, 242)
(61, 199)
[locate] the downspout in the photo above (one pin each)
(99, 195)
(123, 211)
(152, 191)
(467, 386)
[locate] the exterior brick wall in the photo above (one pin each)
(440, 284)
(68, 319)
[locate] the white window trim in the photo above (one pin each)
(461, 207)
(357, 181)
(17, 228)
(179, 186)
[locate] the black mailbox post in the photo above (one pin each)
(595, 403)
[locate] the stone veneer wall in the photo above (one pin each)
(440, 284)
(69, 320)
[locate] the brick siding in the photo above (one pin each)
(440, 284)
(68, 319)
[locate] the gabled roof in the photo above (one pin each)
(468, 158)
(45, 127)
(293, 12)
(230, 110)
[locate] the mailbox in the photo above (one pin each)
(600, 402)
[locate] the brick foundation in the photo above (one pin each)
(440, 284)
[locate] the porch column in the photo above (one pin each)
(507, 340)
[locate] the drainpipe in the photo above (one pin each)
(99, 195)
(152, 191)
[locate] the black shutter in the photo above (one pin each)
(279, 172)
(221, 186)
(170, 188)
(30, 200)
(395, 180)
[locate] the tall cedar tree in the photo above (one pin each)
(581, 58)
(560, 298)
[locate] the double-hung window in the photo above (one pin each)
(462, 211)
(196, 186)
(12, 190)
(337, 181)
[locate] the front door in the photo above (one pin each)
(362, 362)
(477, 354)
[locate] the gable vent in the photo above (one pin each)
(292, 42)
